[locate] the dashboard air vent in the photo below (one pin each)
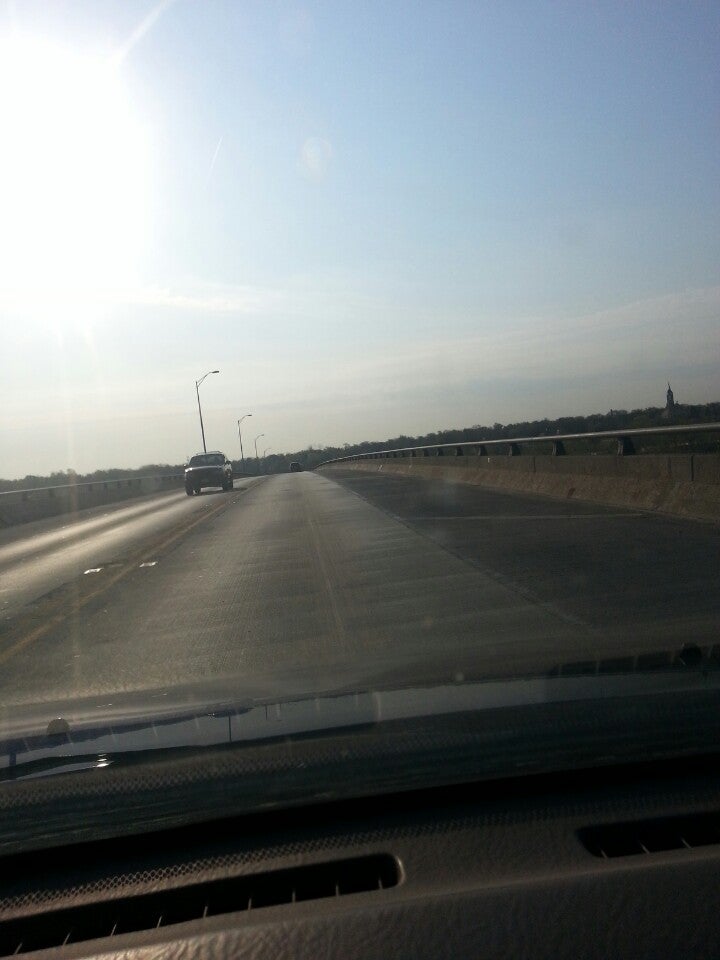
(652, 836)
(110, 918)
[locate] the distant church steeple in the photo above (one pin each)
(669, 403)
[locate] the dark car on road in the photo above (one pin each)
(211, 469)
(295, 467)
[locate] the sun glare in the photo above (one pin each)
(73, 174)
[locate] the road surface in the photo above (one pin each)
(320, 581)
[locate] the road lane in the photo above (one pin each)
(311, 582)
(634, 577)
(36, 559)
(297, 586)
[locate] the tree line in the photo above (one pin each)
(596, 422)
(310, 457)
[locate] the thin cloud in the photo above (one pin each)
(223, 300)
(214, 300)
(685, 334)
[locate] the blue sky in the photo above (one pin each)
(374, 218)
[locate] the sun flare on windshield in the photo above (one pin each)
(73, 174)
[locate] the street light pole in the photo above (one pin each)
(197, 391)
(242, 455)
(257, 459)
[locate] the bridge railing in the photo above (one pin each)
(116, 483)
(512, 445)
(38, 503)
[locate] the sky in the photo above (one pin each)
(374, 219)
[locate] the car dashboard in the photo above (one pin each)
(614, 862)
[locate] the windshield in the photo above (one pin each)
(207, 460)
(437, 285)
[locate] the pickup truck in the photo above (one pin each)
(211, 469)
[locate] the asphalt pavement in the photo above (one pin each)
(324, 581)
(631, 577)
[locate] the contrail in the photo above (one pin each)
(215, 155)
(145, 25)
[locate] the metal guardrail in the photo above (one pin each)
(625, 446)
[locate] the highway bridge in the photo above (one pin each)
(345, 579)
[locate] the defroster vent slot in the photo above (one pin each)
(652, 836)
(151, 911)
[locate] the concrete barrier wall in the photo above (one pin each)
(22, 506)
(702, 467)
(682, 485)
